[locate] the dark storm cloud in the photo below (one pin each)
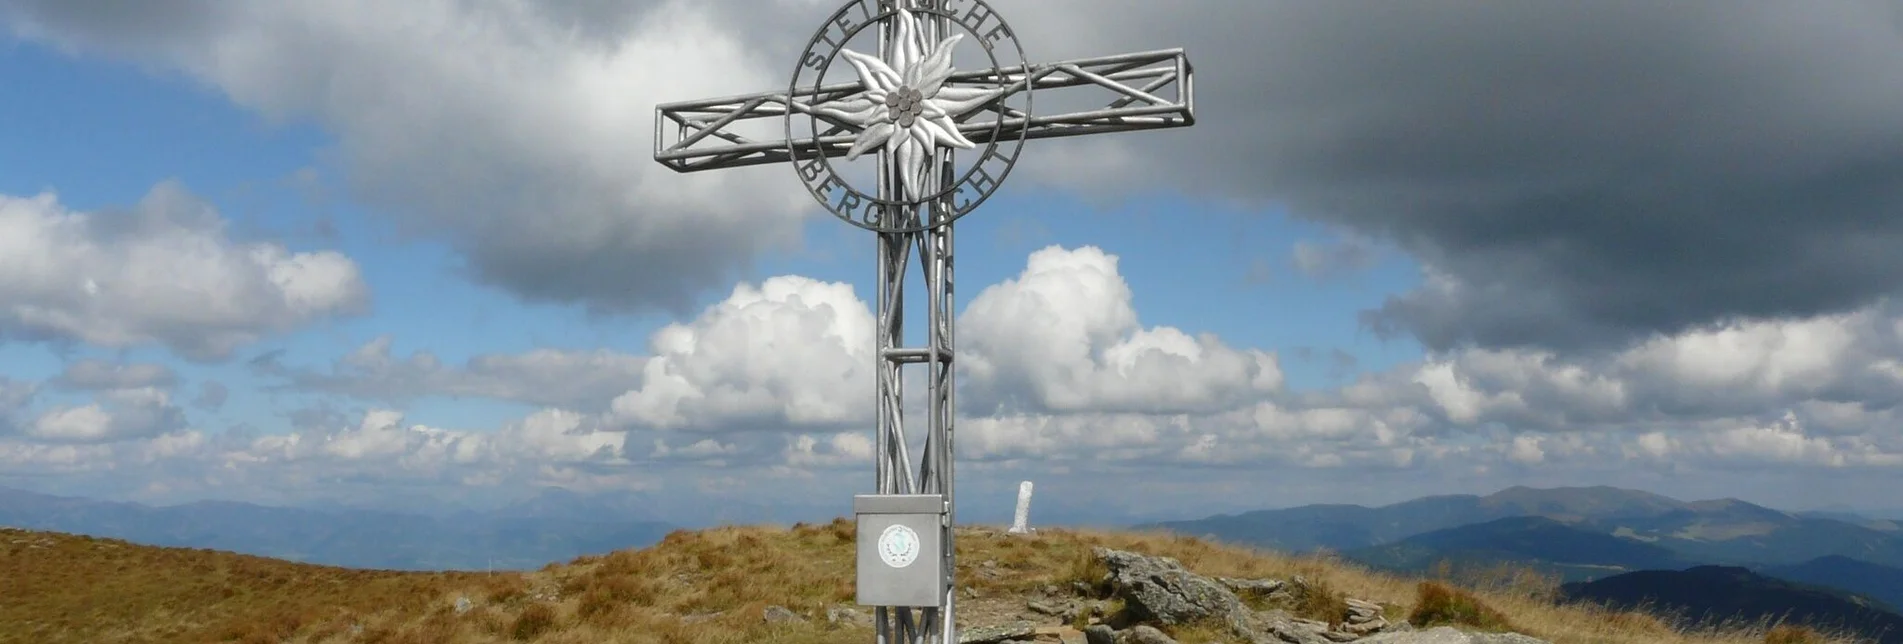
(1581, 173)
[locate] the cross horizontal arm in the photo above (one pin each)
(1154, 91)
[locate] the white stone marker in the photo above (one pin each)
(1021, 524)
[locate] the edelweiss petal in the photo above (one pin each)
(872, 71)
(870, 138)
(935, 68)
(862, 112)
(908, 50)
(944, 132)
(909, 161)
(958, 100)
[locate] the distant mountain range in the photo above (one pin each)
(1881, 583)
(1610, 543)
(556, 525)
(1536, 542)
(1725, 531)
(1710, 595)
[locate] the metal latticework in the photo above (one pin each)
(1151, 90)
(892, 452)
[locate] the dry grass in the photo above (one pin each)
(707, 587)
(1437, 604)
(1792, 635)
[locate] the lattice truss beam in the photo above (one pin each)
(1153, 91)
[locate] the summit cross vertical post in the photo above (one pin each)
(907, 104)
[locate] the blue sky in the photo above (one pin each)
(1519, 341)
(1197, 266)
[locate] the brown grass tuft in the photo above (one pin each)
(1438, 604)
(1319, 601)
(1786, 634)
(536, 619)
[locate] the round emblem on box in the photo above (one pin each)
(898, 546)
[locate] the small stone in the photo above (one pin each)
(842, 614)
(1100, 634)
(1042, 608)
(1083, 588)
(1144, 634)
(969, 592)
(780, 615)
(1258, 586)
(462, 605)
(1363, 609)
(1365, 627)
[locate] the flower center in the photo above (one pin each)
(906, 105)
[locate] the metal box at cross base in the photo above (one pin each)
(901, 549)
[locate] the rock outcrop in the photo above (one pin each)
(1160, 592)
(1447, 635)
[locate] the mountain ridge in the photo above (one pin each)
(368, 539)
(1719, 531)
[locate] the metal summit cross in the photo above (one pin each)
(908, 103)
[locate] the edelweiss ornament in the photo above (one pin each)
(911, 107)
(906, 106)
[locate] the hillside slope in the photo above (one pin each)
(712, 586)
(1881, 583)
(1708, 595)
(68, 588)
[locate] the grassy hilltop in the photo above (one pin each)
(713, 586)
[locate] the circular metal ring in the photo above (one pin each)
(953, 199)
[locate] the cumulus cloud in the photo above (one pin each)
(118, 415)
(518, 131)
(1063, 336)
(849, 449)
(550, 437)
(1835, 367)
(789, 352)
(163, 272)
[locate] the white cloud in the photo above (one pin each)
(164, 272)
(119, 414)
(848, 449)
(1063, 336)
(791, 352)
(518, 131)
(789, 357)
(547, 436)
